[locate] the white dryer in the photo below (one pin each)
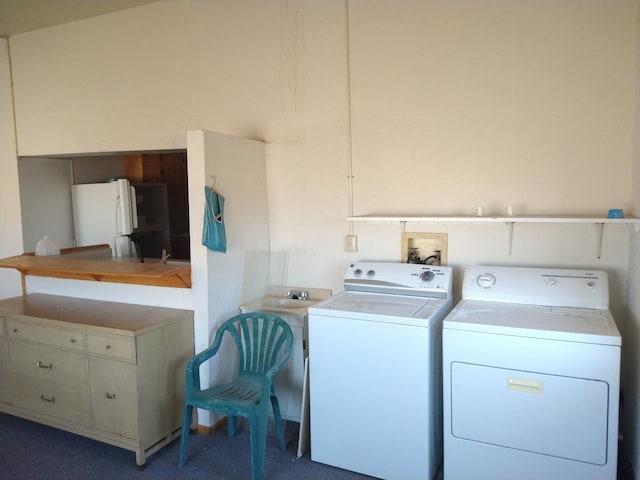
(531, 372)
(375, 371)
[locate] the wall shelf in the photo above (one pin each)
(598, 221)
(493, 219)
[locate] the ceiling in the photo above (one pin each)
(18, 16)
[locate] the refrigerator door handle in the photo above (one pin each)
(118, 216)
(124, 207)
(134, 207)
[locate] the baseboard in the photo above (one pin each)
(220, 424)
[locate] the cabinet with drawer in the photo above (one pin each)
(110, 371)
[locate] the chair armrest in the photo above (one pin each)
(192, 371)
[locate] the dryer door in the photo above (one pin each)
(546, 414)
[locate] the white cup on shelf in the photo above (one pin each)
(508, 210)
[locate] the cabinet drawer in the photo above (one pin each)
(58, 337)
(49, 364)
(112, 346)
(3, 331)
(58, 401)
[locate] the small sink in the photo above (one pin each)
(276, 301)
(286, 303)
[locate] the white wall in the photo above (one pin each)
(45, 200)
(10, 221)
(452, 104)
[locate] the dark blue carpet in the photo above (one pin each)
(30, 451)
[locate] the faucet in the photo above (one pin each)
(165, 256)
(435, 257)
(413, 256)
(298, 295)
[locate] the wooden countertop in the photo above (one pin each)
(124, 317)
(114, 270)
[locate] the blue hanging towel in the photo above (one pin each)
(213, 233)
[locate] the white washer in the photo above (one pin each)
(375, 371)
(531, 369)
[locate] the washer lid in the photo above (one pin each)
(380, 307)
(535, 321)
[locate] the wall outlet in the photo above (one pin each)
(425, 245)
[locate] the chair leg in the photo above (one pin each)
(231, 426)
(187, 413)
(278, 420)
(258, 423)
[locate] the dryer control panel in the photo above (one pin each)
(537, 286)
(399, 279)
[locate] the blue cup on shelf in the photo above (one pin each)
(615, 213)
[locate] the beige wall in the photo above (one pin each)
(631, 363)
(499, 102)
(10, 221)
(631, 333)
(452, 105)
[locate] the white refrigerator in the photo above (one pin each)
(105, 213)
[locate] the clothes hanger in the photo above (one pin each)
(212, 179)
(213, 189)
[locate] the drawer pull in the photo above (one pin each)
(15, 330)
(73, 340)
(522, 385)
(48, 399)
(44, 365)
(107, 346)
(110, 396)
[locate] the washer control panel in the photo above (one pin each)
(537, 286)
(399, 278)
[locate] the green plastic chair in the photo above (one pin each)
(264, 344)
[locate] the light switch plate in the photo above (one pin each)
(351, 243)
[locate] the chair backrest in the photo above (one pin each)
(263, 340)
